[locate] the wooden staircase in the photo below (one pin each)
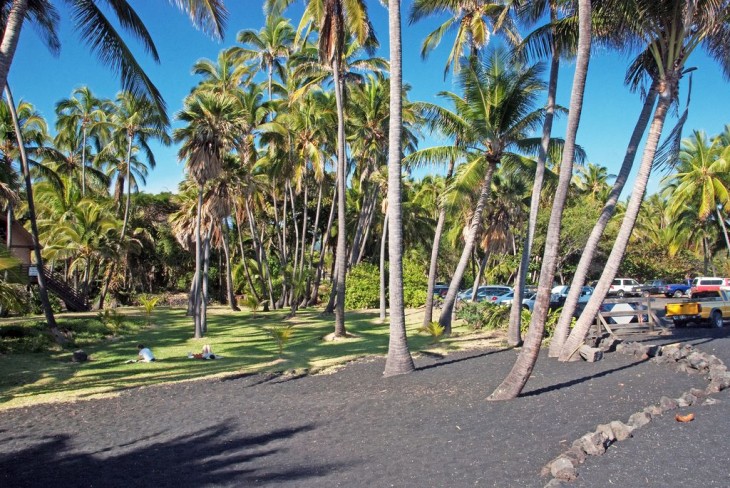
(75, 301)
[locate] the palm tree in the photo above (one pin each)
(269, 47)
(102, 36)
(592, 181)
(701, 179)
(669, 30)
(208, 135)
(25, 167)
(83, 111)
(495, 115)
(512, 385)
(399, 359)
(474, 21)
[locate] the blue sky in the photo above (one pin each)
(609, 111)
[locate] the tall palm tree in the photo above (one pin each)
(495, 116)
(208, 135)
(102, 37)
(512, 385)
(668, 31)
(25, 168)
(84, 112)
(399, 359)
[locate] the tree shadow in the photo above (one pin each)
(458, 360)
(578, 381)
(207, 457)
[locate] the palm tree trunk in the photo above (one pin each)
(478, 277)
(433, 267)
(196, 290)
(260, 258)
(297, 239)
(368, 226)
(724, 229)
(514, 337)
(129, 186)
(566, 317)
(360, 224)
(204, 290)
(522, 369)
(577, 336)
(304, 228)
(9, 232)
(399, 360)
(83, 163)
(42, 290)
(322, 248)
(229, 275)
(383, 241)
(243, 254)
(308, 290)
(10, 37)
(474, 226)
(341, 268)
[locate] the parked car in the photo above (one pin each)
(708, 283)
(678, 290)
(440, 290)
(505, 299)
(485, 292)
(622, 287)
(655, 287)
(560, 293)
(529, 302)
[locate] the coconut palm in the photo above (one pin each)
(701, 179)
(102, 37)
(474, 21)
(667, 32)
(512, 385)
(82, 112)
(493, 118)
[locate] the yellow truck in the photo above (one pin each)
(711, 307)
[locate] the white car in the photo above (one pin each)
(623, 287)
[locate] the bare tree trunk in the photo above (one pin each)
(577, 336)
(206, 273)
(308, 288)
(475, 225)
(368, 227)
(724, 229)
(383, 241)
(260, 258)
(433, 267)
(243, 255)
(478, 277)
(129, 185)
(399, 360)
(589, 251)
(514, 337)
(42, 290)
(340, 330)
(522, 369)
(229, 275)
(10, 37)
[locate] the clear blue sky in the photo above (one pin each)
(609, 112)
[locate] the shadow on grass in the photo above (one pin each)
(204, 458)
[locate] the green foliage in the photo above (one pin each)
(281, 335)
(148, 303)
(434, 329)
(483, 315)
(363, 287)
(415, 282)
(35, 305)
(112, 320)
(646, 261)
(253, 303)
(550, 322)
(12, 298)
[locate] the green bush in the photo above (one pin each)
(24, 338)
(550, 323)
(363, 287)
(483, 315)
(415, 283)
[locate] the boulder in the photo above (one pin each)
(639, 419)
(79, 356)
(590, 354)
(593, 443)
(620, 430)
(563, 469)
(666, 404)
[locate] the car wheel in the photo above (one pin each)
(717, 319)
(680, 324)
(678, 294)
(645, 294)
(620, 294)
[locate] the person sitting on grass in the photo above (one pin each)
(145, 354)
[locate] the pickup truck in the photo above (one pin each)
(678, 290)
(711, 307)
(663, 287)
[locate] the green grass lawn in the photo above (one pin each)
(240, 338)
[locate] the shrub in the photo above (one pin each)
(148, 303)
(363, 287)
(112, 320)
(483, 315)
(415, 283)
(24, 338)
(434, 329)
(550, 322)
(281, 334)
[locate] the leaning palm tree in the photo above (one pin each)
(512, 385)
(495, 115)
(667, 32)
(101, 35)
